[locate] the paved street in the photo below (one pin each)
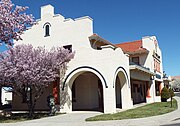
(77, 119)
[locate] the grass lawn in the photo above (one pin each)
(153, 109)
(17, 117)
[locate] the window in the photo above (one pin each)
(69, 47)
(157, 85)
(46, 27)
(157, 65)
(47, 31)
(25, 94)
(135, 60)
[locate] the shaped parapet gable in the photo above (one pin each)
(56, 30)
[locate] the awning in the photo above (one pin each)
(142, 69)
(95, 38)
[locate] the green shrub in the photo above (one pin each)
(165, 94)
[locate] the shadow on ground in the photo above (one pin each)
(175, 124)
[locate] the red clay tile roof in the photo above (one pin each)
(130, 47)
(176, 77)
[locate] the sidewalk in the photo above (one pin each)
(78, 119)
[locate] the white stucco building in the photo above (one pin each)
(146, 71)
(102, 76)
(6, 96)
(97, 78)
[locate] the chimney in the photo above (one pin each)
(47, 10)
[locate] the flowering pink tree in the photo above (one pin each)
(13, 21)
(31, 70)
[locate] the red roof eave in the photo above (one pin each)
(142, 50)
(134, 47)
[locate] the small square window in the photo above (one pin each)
(69, 47)
(135, 60)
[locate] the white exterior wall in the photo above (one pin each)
(62, 31)
(76, 32)
(5, 96)
(149, 44)
(107, 65)
(152, 92)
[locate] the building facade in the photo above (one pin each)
(102, 76)
(97, 78)
(146, 71)
(6, 96)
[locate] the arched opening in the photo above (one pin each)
(47, 30)
(118, 93)
(87, 93)
(120, 82)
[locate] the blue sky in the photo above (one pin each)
(125, 20)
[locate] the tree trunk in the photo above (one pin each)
(30, 104)
(171, 101)
(33, 107)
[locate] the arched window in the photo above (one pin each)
(46, 29)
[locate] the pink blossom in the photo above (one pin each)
(13, 21)
(23, 66)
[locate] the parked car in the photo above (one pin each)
(176, 89)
